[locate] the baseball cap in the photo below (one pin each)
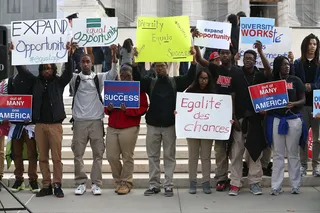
(214, 55)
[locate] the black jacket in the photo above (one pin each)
(163, 97)
(55, 90)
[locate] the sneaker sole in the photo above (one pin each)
(256, 193)
(233, 194)
(80, 193)
(16, 190)
(168, 195)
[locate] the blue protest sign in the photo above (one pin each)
(119, 92)
(252, 29)
(316, 102)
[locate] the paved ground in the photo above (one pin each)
(307, 202)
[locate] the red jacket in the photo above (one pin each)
(119, 119)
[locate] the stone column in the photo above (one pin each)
(317, 13)
(85, 8)
(287, 14)
(146, 8)
(193, 9)
(236, 6)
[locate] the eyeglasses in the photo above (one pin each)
(203, 79)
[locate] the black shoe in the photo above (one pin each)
(18, 186)
(168, 192)
(44, 192)
(58, 191)
(245, 170)
(268, 171)
(34, 186)
(152, 191)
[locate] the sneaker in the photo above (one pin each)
(316, 172)
(276, 192)
(152, 191)
(117, 188)
(222, 185)
(234, 190)
(95, 189)
(58, 191)
(44, 192)
(125, 188)
(168, 192)
(255, 189)
(17, 186)
(303, 171)
(80, 190)
(34, 186)
(193, 187)
(295, 191)
(206, 188)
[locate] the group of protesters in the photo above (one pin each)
(254, 135)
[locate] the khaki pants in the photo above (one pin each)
(266, 157)
(314, 124)
(2, 138)
(17, 150)
(49, 136)
(237, 151)
(289, 142)
(202, 147)
(222, 162)
(155, 135)
(82, 132)
(121, 142)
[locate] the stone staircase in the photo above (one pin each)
(141, 162)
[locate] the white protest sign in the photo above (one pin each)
(95, 32)
(39, 41)
(213, 34)
(281, 45)
(203, 116)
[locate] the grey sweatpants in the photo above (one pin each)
(289, 142)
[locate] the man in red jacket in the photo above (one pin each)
(122, 133)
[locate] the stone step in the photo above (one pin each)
(140, 166)
(181, 180)
(141, 141)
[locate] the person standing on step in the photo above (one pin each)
(87, 120)
(122, 133)
(48, 114)
(203, 83)
(20, 133)
(285, 129)
(126, 52)
(160, 121)
(307, 68)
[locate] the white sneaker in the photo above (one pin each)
(80, 190)
(95, 189)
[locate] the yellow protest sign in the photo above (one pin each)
(165, 39)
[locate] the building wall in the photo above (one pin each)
(15, 10)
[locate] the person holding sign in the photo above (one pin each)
(20, 134)
(203, 83)
(87, 121)
(222, 79)
(285, 129)
(122, 133)
(48, 114)
(248, 132)
(160, 121)
(307, 68)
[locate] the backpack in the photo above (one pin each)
(78, 80)
(153, 83)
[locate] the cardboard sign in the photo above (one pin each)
(252, 29)
(16, 107)
(316, 102)
(95, 32)
(39, 41)
(164, 39)
(203, 116)
(281, 45)
(122, 92)
(268, 96)
(310, 142)
(213, 34)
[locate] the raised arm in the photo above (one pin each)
(264, 60)
(111, 74)
(68, 68)
(203, 62)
